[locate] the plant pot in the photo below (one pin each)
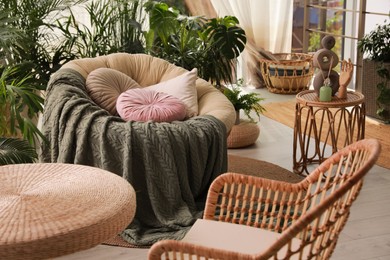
(243, 134)
(370, 79)
(237, 122)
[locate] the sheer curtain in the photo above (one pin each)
(268, 26)
(201, 7)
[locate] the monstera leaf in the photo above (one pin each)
(231, 41)
(226, 36)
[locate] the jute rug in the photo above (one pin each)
(284, 112)
(239, 165)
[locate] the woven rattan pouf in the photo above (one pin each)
(243, 134)
(49, 210)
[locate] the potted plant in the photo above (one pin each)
(211, 46)
(249, 102)
(244, 132)
(376, 71)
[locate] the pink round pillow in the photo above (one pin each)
(144, 105)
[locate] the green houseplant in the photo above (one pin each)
(36, 47)
(211, 46)
(249, 102)
(20, 101)
(376, 71)
(114, 26)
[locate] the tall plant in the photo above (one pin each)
(34, 19)
(114, 26)
(224, 42)
(20, 101)
(211, 46)
(376, 45)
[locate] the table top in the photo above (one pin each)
(48, 210)
(310, 98)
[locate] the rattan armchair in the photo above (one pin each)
(294, 221)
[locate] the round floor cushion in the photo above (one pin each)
(243, 134)
(49, 210)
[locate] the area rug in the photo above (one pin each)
(242, 165)
(284, 112)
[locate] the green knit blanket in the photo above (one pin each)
(170, 165)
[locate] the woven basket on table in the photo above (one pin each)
(289, 74)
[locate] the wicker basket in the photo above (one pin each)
(290, 74)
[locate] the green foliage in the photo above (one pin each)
(20, 103)
(33, 19)
(173, 37)
(376, 44)
(115, 26)
(225, 36)
(211, 46)
(247, 102)
(13, 151)
(384, 92)
(224, 42)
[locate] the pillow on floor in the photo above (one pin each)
(184, 88)
(145, 104)
(104, 85)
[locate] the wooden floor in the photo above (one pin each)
(367, 233)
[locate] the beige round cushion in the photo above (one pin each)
(49, 210)
(147, 70)
(243, 134)
(104, 85)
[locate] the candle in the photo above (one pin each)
(325, 93)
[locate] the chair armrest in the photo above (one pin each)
(172, 249)
(254, 201)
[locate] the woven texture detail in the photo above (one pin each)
(48, 210)
(243, 134)
(370, 80)
(310, 98)
(291, 74)
(170, 165)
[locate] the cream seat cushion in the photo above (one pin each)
(147, 70)
(236, 238)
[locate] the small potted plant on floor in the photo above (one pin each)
(244, 132)
(249, 102)
(376, 71)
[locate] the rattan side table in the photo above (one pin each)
(321, 128)
(49, 210)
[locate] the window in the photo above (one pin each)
(346, 20)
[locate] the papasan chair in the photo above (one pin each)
(169, 161)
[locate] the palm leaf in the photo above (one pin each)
(14, 151)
